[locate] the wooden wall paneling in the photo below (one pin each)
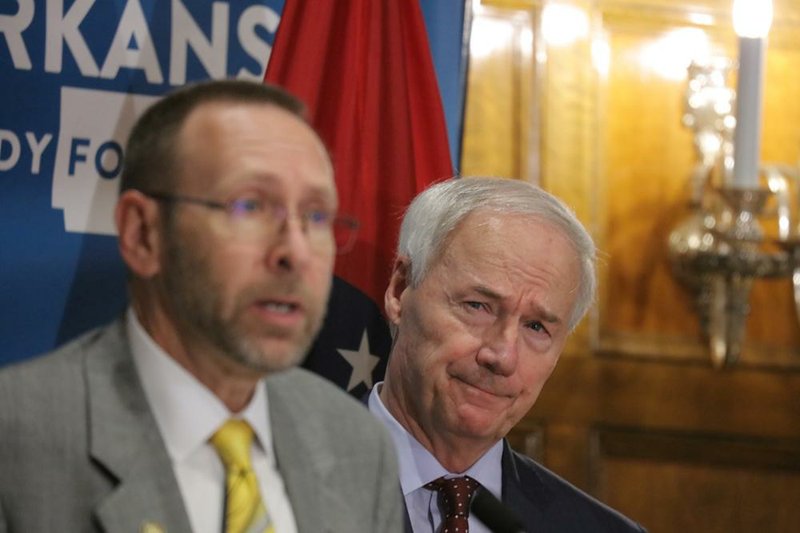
(686, 482)
(498, 121)
(676, 446)
(657, 396)
(567, 139)
(634, 413)
(646, 158)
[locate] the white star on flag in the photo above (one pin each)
(363, 363)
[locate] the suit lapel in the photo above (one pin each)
(302, 469)
(126, 443)
(523, 490)
(304, 461)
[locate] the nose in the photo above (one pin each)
(499, 353)
(290, 250)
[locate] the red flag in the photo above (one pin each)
(364, 69)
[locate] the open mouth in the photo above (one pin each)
(280, 313)
(280, 307)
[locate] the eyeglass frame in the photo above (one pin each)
(350, 223)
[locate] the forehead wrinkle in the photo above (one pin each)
(538, 310)
(537, 281)
(498, 273)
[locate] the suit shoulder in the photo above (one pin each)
(564, 499)
(314, 388)
(307, 387)
(318, 398)
(51, 378)
(49, 366)
(42, 402)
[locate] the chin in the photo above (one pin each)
(478, 423)
(476, 428)
(268, 358)
(272, 365)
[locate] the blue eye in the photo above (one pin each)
(245, 206)
(318, 217)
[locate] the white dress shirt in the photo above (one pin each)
(418, 466)
(188, 414)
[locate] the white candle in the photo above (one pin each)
(751, 20)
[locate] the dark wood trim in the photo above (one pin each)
(594, 391)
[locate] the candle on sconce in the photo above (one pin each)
(751, 21)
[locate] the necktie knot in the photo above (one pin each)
(232, 442)
(455, 495)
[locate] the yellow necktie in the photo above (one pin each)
(244, 508)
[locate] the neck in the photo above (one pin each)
(454, 452)
(229, 381)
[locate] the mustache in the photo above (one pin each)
(292, 290)
(285, 288)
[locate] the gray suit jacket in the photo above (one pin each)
(80, 449)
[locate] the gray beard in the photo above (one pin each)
(195, 302)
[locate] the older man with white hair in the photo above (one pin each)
(491, 276)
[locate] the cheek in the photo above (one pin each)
(425, 348)
(317, 281)
(451, 335)
(210, 263)
(322, 272)
(233, 270)
(447, 360)
(440, 343)
(459, 353)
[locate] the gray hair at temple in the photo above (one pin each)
(437, 211)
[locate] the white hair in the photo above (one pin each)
(436, 212)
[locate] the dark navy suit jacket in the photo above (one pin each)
(546, 502)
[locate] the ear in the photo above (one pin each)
(137, 220)
(398, 283)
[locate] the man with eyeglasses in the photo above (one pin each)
(188, 413)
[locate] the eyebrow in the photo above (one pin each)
(546, 316)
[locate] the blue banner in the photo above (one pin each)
(74, 75)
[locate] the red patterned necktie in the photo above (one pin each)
(455, 495)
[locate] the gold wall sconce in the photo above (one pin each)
(720, 248)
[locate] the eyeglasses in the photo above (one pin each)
(253, 217)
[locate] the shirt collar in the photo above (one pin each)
(418, 466)
(186, 411)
